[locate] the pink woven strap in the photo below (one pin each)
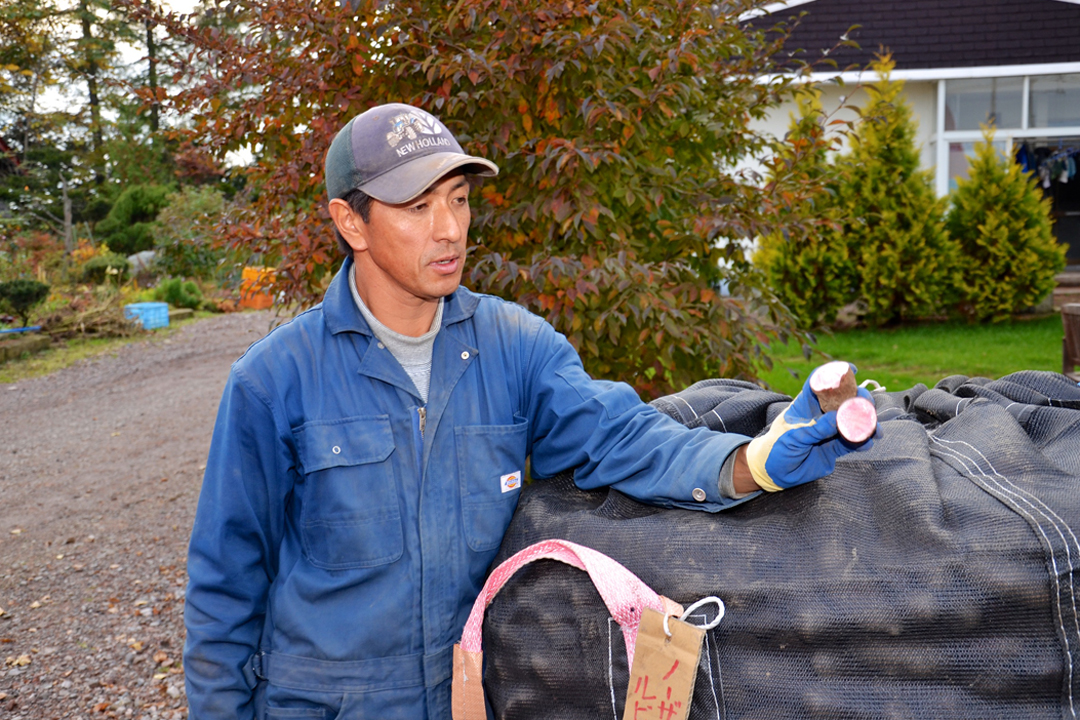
(624, 594)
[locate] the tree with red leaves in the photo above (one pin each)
(617, 215)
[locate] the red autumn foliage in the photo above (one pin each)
(618, 213)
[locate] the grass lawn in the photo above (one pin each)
(899, 358)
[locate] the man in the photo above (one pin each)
(368, 455)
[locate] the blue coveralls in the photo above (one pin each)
(337, 551)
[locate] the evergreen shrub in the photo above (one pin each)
(179, 293)
(129, 226)
(807, 263)
(1001, 222)
(22, 295)
(109, 267)
(893, 223)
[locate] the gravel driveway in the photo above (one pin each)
(100, 468)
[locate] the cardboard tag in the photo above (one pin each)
(665, 668)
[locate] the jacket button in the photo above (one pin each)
(337, 451)
(699, 494)
(381, 346)
(465, 355)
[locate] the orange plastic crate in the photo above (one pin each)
(255, 288)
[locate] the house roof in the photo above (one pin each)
(924, 34)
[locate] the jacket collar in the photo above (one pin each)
(342, 315)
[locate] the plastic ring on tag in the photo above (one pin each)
(704, 601)
(667, 630)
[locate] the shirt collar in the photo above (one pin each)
(342, 315)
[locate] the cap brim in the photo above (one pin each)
(407, 182)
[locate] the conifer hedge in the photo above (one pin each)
(893, 223)
(807, 261)
(1001, 222)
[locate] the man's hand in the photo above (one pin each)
(801, 446)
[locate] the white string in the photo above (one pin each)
(1019, 498)
(712, 599)
(687, 405)
(722, 423)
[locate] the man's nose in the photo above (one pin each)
(445, 223)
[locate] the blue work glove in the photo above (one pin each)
(802, 444)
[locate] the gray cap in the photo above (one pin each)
(394, 153)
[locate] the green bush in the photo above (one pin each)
(179, 293)
(22, 295)
(1001, 222)
(109, 267)
(184, 234)
(893, 222)
(129, 226)
(808, 266)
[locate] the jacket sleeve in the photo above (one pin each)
(605, 433)
(233, 551)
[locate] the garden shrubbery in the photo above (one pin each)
(887, 247)
(105, 268)
(1001, 222)
(809, 267)
(179, 293)
(91, 281)
(21, 296)
(129, 226)
(184, 234)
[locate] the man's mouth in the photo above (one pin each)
(447, 265)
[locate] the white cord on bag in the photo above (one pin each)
(703, 601)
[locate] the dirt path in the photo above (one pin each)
(100, 467)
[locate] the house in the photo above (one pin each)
(964, 62)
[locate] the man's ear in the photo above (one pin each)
(349, 223)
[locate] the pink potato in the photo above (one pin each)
(834, 386)
(856, 419)
(833, 383)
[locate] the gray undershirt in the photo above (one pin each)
(413, 353)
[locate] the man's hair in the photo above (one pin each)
(360, 202)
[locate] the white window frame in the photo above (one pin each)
(942, 138)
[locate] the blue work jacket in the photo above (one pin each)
(344, 528)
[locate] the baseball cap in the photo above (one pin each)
(394, 153)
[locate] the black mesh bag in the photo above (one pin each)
(933, 576)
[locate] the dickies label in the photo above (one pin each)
(511, 481)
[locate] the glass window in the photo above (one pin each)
(960, 154)
(969, 103)
(1055, 101)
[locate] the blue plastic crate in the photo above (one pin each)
(148, 314)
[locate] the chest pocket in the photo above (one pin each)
(350, 516)
(488, 456)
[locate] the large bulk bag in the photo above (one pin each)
(933, 576)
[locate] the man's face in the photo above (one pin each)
(416, 251)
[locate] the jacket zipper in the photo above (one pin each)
(421, 422)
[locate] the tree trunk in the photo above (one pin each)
(91, 79)
(29, 119)
(69, 230)
(151, 54)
